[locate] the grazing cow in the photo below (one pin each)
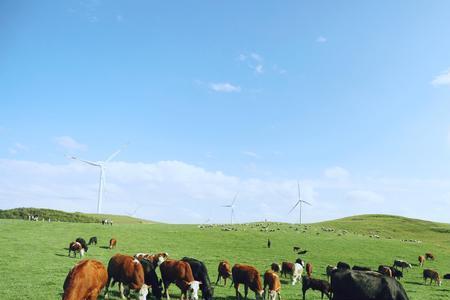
(447, 276)
(296, 248)
(85, 280)
(155, 259)
(275, 267)
(297, 274)
(397, 274)
(343, 266)
(201, 274)
(76, 247)
(272, 281)
(287, 268)
(429, 256)
(129, 273)
(433, 275)
(302, 252)
(83, 243)
(421, 260)
(112, 243)
(329, 269)
(224, 271)
(316, 285)
(300, 261)
(385, 270)
(402, 264)
(358, 285)
(93, 240)
(180, 273)
(249, 277)
(309, 269)
(359, 268)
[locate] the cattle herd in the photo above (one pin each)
(88, 278)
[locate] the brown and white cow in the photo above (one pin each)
(112, 243)
(249, 277)
(129, 273)
(272, 281)
(155, 259)
(429, 256)
(224, 271)
(309, 269)
(85, 280)
(180, 273)
(433, 275)
(76, 247)
(421, 260)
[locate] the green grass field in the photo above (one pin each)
(34, 261)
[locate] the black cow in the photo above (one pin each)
(201, 274)
(343, 266)
(446, 276)
(360, 285)
(151, 278)
(316, 285)
(83, 243)
(93, 240)
(359, 268)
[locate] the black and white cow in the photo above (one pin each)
(201, 274)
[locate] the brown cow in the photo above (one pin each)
(433, 275)
(249, 277)
(224, 271)
(155, 259)
(112, 243)
(272, 281)
(180, 273)
(421, 260)
(85, 280)
(429, 256)
(316, 285)
(385, 270)
(309, 269)
(76, 247)
(129, 272)
(287, 268)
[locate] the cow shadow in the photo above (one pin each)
(226, 298)
(62, 255)
(414, 282)
(104, 247)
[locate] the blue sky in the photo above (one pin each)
(352, 98)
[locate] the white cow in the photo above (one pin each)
(297, 273)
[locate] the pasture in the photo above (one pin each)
(34, 261)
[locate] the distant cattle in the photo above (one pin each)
(421, 260)
(446, 276)
(83, 243)
(429, 256)
(201, 274)
(359, 285)
(269, 243)
(76, 247)
(249, 277)
(112, 243)
(343, 266)
(309, 269)
(106, 222)
(296, 248)
(275, 267)
(180, 273)
(360, 268)
(224, 271)
(85, 280)
(402, 264)
(93, 241)
(272, 282)
(432, 275)
(329, 269)
(316, 285)
(385, 270)
(302, 252)
(397, 274)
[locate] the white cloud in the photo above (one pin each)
(256, 56)
(259, 69)
(251, 154)
(337, 173)
(363, 196)
(254, 61)
(442, 79)
(69, 143)
(321, 39)
(18, 147)
(225, 87)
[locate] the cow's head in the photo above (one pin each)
(439, 281)
(259, 295)
(194, 286)
(143, 292)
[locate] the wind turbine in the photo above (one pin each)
(299, 203)
(232, 206)
(102, 181)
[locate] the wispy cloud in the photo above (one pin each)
(251, 154)
(16, 148)
(225, 87)
(321, 39)
(253, 60)
(363, 196)
(338, 173)
(69, 143)
(442, 79)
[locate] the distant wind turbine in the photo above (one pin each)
(299, 204)
(232, 206)
(102, 181)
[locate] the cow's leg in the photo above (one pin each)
(245, 291)
(236, 287)
(304, 293)
(218, 278)
(166, 290)
(106, 296)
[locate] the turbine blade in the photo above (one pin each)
(234, 199)
(85, 161)
(306, 202)
(296, 204)
(115, 153)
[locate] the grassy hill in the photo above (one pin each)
(41, 247)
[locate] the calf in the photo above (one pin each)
(433, 275)
(76, 247)
(275, 267)
(429, 256)
(93, 240)
(309, 269)
(201, 274)
(272, 281)
(316, 285)
(112, 243)
(359, 268)
(180, 273)
(85, 280)
(329, 269)
(224, 271)
(421, 260)
(402, 264)
(83, 243)
(249, 277)
(343, 266)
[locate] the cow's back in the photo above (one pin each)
(85, 278)
(176, 269)
(126, 269)
(248, 275)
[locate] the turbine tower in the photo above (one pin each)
(299, 203)
(232, 206)
(102, 181)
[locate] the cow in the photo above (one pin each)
(402, 264)
(421, 260)
(328, 270)
(429, 256)
(316, 285)
(180, 273)
(201, 274)
(385, 270)
(112, 243)
(360, 268)
(287, 268)
(224, 271)
(302, 252)
(300, 261)
(129, 273)
(249, 277)
(275, 267)
(343, 266)
(297, 273)
(309, 269)
(93, 240)
(268, 243)
(76, 247)
(433, 275)
(397, 274)
(272, 281)
(296, 248)
(83, 243)
(360, 285)
(155, 259)
(85, 280)
(446, 276)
